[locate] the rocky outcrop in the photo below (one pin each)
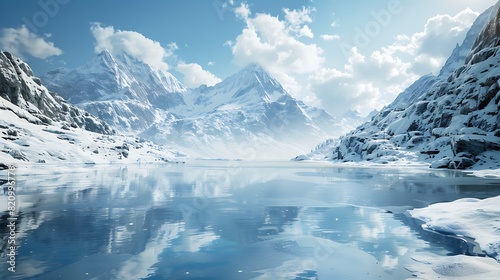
(19, 86)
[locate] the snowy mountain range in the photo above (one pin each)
(248, 115)
(38, 126)
(122, 91)
(450, 121)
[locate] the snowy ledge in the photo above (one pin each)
(468, 217)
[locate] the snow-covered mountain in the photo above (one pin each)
(40, 126)
(451, 120)
(248, 115)
(20, 88)
(122, 90)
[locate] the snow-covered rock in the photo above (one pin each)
(38, 126)
(450, 121)
(34, 103)
(122, 90)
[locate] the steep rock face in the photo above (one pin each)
(488, 39)
(19, 86)
(121, 90)
(453, 122)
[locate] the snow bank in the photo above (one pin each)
(487, 173)
(467, 217)
(429, 266)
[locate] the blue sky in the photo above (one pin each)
(335, 54)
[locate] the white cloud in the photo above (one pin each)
(298, 17)
(330, 37)
(306, 32)
(132, 43)
(431, 47)
(20, 41)
(274, 44)
(243, 11)
(369, 81)
(195, 76)
(211, 63)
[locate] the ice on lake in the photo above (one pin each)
(237, 220)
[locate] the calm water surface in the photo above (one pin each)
(227, 220)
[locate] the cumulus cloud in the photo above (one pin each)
(367, 80)
(195, 75)
(132, 43)
(20, 42)
(298, 17)
(431, 47)
(372, 80)
(275, 44)
(243, 11)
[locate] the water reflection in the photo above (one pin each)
(226, 220)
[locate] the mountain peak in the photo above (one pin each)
(253, 67)
(352, 114)
(253, 74)
(105, 56)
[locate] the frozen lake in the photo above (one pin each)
(228, 220)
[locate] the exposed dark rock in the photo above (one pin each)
(18, 155)
(485, 98)
(477, 145)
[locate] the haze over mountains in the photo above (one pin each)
(247, 115)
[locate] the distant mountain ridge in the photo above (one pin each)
(123, 91)
(249, 107)
(450, 121)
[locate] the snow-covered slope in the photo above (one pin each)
(449, 121)
(21, 88)
(121, 90)
(248, 115)
(41, 127)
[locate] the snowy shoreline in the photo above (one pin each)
(474, 171)
(468, 217)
